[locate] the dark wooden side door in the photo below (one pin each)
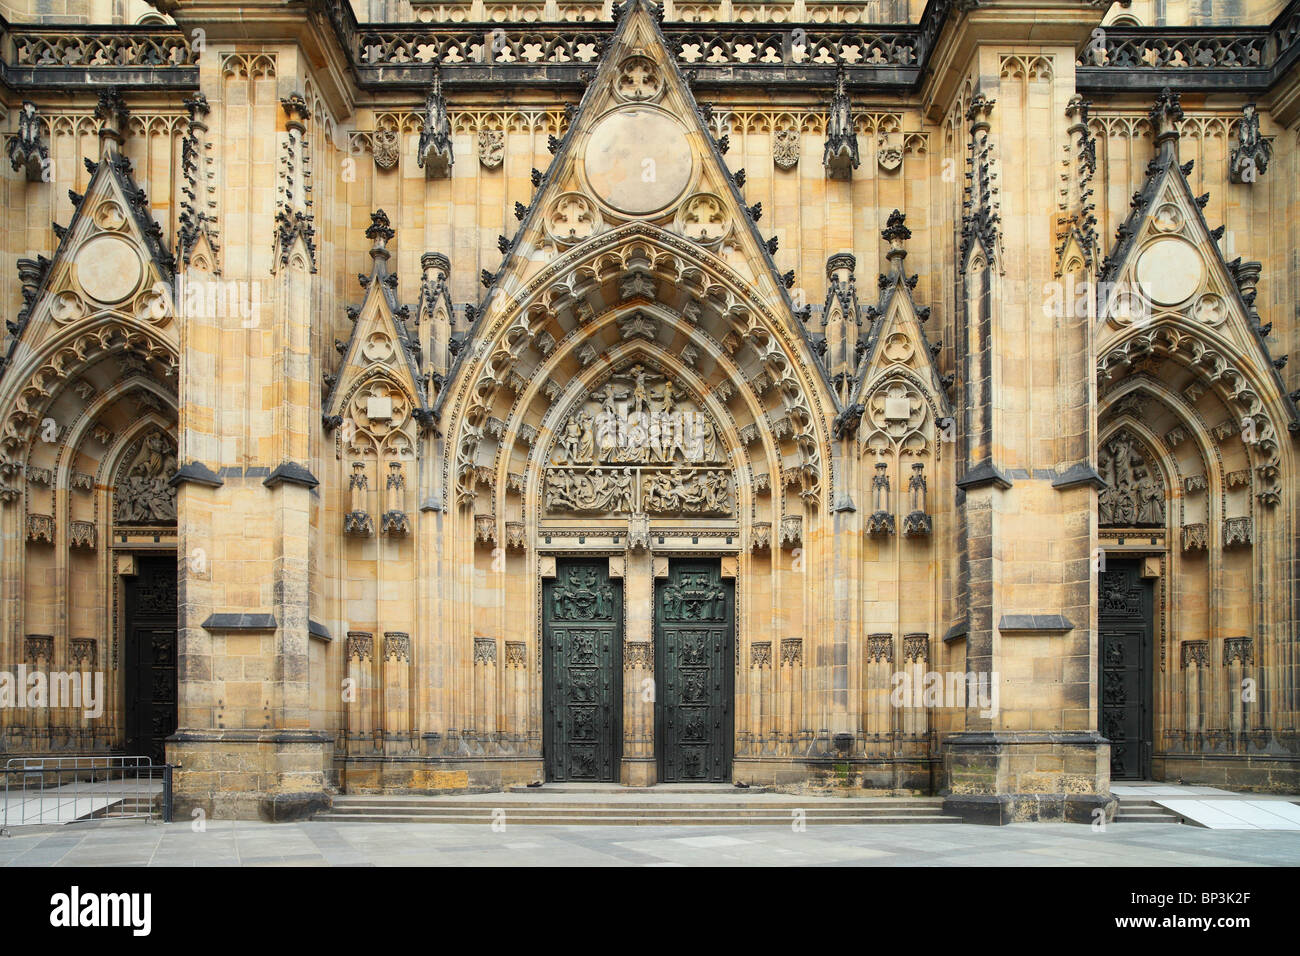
(694, 648)
(150, 656)
(1124, 663)
(582, 686)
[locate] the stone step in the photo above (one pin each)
(634, 810)
(579, 818)
(1144, 811)
(435, 804)
(658, 812)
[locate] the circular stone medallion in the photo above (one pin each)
(1169, 270)
(638, 160)
(108, 268)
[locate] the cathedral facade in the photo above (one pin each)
(872, 396)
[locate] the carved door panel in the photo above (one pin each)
(582, 649)
(1124, 665)
(694, 648)
(150, 657)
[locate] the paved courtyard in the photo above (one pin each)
(325, 843)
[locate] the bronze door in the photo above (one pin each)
(694, 641)
(1124, 664)
(150, 657)
(582, 650)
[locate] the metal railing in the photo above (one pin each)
(51, 790)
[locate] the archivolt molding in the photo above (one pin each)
(46, 373)
(559, 401)
(735, 456)
(628, 263)
(1212, 359)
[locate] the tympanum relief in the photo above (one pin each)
(143, 495)
(1134, 492)
(638, 443)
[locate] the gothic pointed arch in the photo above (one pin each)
(617, 245)
(376, 405)
(1171, 306)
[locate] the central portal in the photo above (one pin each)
(582, 634)
(694, 640)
